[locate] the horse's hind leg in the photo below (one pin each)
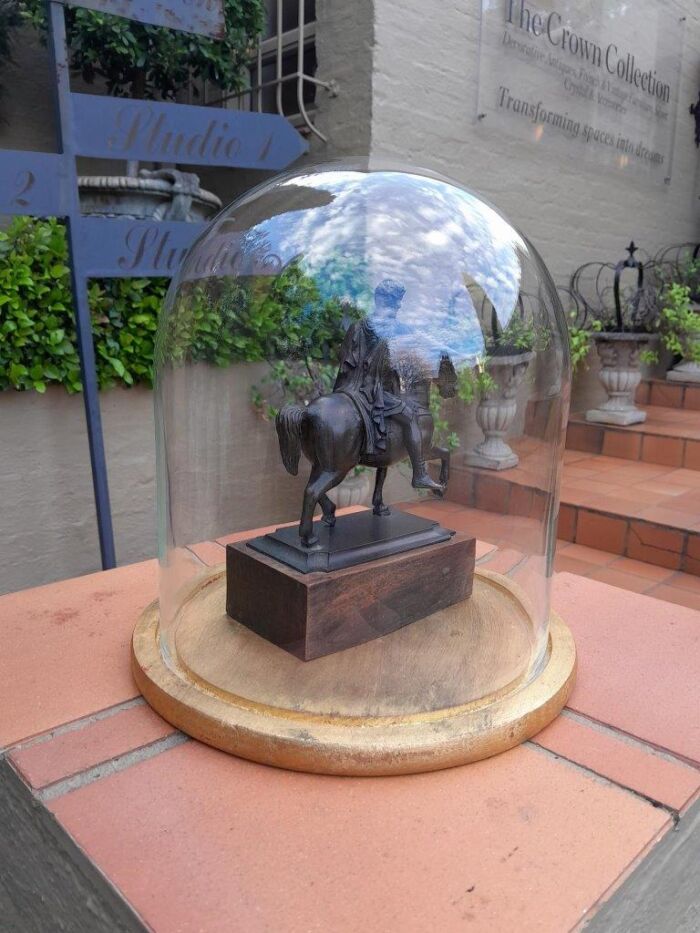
(377, 501)
(328, 506)
(319, 483)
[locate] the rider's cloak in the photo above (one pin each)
(365, 375)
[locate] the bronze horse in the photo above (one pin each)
(330, 431)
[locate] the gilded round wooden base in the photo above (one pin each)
(408, 702)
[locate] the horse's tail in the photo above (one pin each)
(289, 422)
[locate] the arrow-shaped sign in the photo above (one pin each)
(151, 131)
(205, 17)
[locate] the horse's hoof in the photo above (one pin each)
(310, 541)
(439, 493)
(328, 520)
(381, 510)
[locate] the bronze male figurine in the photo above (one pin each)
(365, 420)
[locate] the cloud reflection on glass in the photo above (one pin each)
(447, 248)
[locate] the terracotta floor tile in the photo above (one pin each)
(692, 455)
(665, 394)
(207, 842)
(572, 471)
(677, 595)
(622, 444)
(683, 477)
(633, 765)
(92, 744)
(635, 473)
(566, 524)
(692, 397)
(589, 555)
(584, 437)
(639, 662)
(578, 497)
(657, 535)
(641, 569)
(571, 456)
(616, 505)
(684, 581)
(592, 487)
(601, 532)
(631, 494)
(66, 648)
(665, 515)
(643, 393)
(688, 502)
(666, 450)
(626, 581)
(660, 488)
(602, 464)
(565, 564)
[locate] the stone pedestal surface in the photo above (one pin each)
(112, 809)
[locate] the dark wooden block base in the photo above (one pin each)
(314, 614)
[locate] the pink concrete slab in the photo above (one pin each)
(66, 648)
(639, 662)
(631, 764)
(196, 840)
(92, 744)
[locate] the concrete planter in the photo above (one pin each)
(354, 490)
(496, 412)
(620, 373)
(687, 370)
(160, 195)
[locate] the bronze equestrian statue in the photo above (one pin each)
(364, 420)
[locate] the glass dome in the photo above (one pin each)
(339, 326)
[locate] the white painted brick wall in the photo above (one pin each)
(423, 102)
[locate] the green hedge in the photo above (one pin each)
(232, 321)
(38, 343)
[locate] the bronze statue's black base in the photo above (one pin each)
(354, 539)
(315, 614)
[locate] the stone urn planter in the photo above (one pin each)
(354, 490)
(687, 370)
(166, 194)
(496, 410)
(620, 374)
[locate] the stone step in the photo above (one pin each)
(669, 394)
(644, 511)
(669, 436)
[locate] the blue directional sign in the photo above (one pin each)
(33, 183)
(151, 131)
(110, 248)
(46, 184)
(205, 17)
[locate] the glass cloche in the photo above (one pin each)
(362, 385)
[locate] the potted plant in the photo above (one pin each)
(152, 62)
(621, 335)
(494, 383)
(679, 326)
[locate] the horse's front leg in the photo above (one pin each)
(443, 455)
(377, 500)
